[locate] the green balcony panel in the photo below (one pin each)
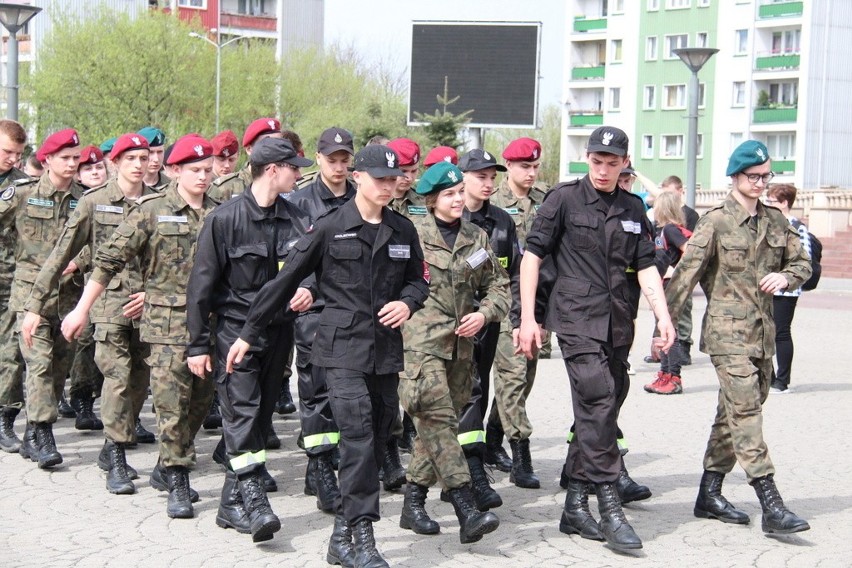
(784, 166)
(578, 168)
(588, 72)
(781, 9)
(584, 25)
(778, 61)
(586, 119)
(762, 115)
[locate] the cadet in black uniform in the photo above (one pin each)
(241, 247)
(594, 232)
(369, 268)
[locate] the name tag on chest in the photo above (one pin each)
(39, 202)
(341, 236)
(72, 204)
(512, 210)
(477, 258)
(631, 227)
(416, 210)
(109, 209)
(172, 219)
(399, 251)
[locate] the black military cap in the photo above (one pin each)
(276, 151)
(334, 139)
(608, 140)
(478, 159)
(377, 160)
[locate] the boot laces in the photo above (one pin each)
(119, 461)
(253, 496)
(365, 540)
(326, 472)
(612, 502)
(771, 495)
(181, 486)
(479, 478)
(44, 437)
(87, 405)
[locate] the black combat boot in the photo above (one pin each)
(522, 473)
(86, 417)
(711, 504)
(143, 436)
(414, 516)
(366, 555)
(576, 517)
(118, 478)
(266, 479)
(629, 490)
(180, 504)
(48, 455)
(473, 523)
(340, 549)
(394, 473)
(285, 403)
(263, 522)
(321, 481)
(273, 442)
(29, 445)
(159, 481)
(65, 410)
(406, 443)
(484, 495)
(614, 526)
(213, 419)
(495, 453)
(232, 514)
(9, 441)
(777, 518)
(105, 464)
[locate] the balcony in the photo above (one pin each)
(784, 166)
(260, 23)
(581, 24)
(779, 114)
(578, 168)
(582, 73)
(780, 61)
(586, 118)
(780, 9)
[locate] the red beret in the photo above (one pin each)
(90, 155)
(188, 149)
(67, 138)
(225, 144)
(522, 150)
(407, 150)
(125, 142)
(258, 127)
(441, 154)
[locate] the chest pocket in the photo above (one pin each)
(175, 244)
(249, 266)
(734, 253)
(105, 224)
(584, 232)
(347, 259)
(777, 243)
(36, 221)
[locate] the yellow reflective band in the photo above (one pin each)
(570, 437)
(326, 439)
(622, 443)
(476, 436)
(504, 261)
(280, 264)
(243, 461)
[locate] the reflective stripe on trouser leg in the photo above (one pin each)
(244, 463)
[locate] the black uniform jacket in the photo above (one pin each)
(355, 280)
(592, 246)
(240, 248)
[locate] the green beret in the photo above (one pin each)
(438, 177)
(106, 145)
(749, 153)
(153, 135)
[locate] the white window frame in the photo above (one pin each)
(193, 4)
(781, 145)
(702, 95)
(653, 5)
(736, 139)
(614, 99)
(679, 144)
(741, 42)
(615, 6)
(681, 92)
(648, 147)
(703, 3)
(702, 39)
(652, 45)
(678, 4)
(649, 102)
(616, 47)
(738, 94)
(668, 53)
(699, 148)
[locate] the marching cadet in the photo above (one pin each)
(13, 139)
(161, 233)
(329, 190)
(742, 253)
(241, 247)
(155, 177)
(226, 150)
(460, 268)
(370, 276)
(235, 183)
(119, 353)
(37, 210)
(405, 200)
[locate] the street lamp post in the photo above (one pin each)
(14, 17)
(694, 58)
(218, 45)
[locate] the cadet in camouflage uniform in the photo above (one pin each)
(235, 183)
(161, 232)
(13, 139)
(741, 252)
(155, 178)
(38, 210)
(226, 150)
(119, 353)
(460, 267)
(405, 200)
(513, 373)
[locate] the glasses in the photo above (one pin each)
(754, 178)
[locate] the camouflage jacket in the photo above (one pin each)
(98, 213)
(410, 205)
(230, 185)
(161, 232)
(8, 234)
(729, 259)
(522, 210)
(457, 278)
(38, 211)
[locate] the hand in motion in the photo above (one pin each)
(235, 354)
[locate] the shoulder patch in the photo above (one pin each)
(149, 197)
(93, 189)
(24, 181)
(226, 178)
(8, 193)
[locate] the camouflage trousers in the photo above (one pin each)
(514, 376)
(120, 356)
(11, 361)
(737, 432)
(85, 376)
(433, 391)
(48, 363)
(182, 401)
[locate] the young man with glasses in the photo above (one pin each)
(735, 245)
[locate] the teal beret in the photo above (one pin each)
(153, 135)
(438, 177)
(106, 145)
(749, 153)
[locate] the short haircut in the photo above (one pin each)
(294, 139)
(672, 180)
(378, 140)
(783, 192)
(14, 131)
(34, 162)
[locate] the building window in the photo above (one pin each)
(615, 51)
(701, 100)
(653, 5)
(736, 140)
(651, 48)
(703, 3)
(674, 97)
(672, 146)
(677, 4)
(781, 146)
(200, 4)
(252, 7)
(786, 41)
(699, 148)
(738, 99)
(675, 42)
(648, 147)
(786, 94)
(615, 98)
(649, 99)
(616, 6)
(701, 39)
(740, 42)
